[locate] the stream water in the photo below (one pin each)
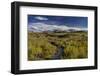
(59, 53)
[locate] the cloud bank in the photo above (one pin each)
(40, 27)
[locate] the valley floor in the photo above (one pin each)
(57, 45)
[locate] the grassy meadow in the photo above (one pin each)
(46, 45)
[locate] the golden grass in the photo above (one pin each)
(40, 45)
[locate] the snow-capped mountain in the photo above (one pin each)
(41, 27)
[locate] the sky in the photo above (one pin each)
(70, 21)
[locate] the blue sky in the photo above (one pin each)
(71, 21)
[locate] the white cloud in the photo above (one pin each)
(41, 18)
(39, 27)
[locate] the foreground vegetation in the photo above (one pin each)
(44, 46)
